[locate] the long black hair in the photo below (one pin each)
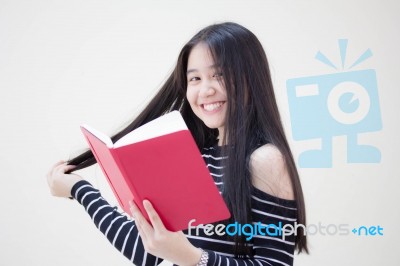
(252, 117)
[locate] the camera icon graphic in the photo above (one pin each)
(337, 104)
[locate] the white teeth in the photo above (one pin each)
(212, 106)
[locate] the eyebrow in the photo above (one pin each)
(195, 70)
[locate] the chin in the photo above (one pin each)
(214, 125)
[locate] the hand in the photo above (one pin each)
(61, 184)
(160, 242)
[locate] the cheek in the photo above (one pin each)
(191, 96)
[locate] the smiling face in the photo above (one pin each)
(205, 90)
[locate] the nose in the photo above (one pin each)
(206, 89)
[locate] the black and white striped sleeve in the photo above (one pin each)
(118, 228)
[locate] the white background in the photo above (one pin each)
(64, 63)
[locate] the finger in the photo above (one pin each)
(134, 209)
(146, 226)
(58, 163)
(53, 171)
(140, 221)
(61, 169)
(58, 169)
(142, 234)
(54, 167)
(155, 219)
(68, 168)
(138, 216)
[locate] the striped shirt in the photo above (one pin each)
(269, 213)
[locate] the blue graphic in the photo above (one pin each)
(344, 103)
(368, 231)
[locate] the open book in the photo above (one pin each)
(160, 161)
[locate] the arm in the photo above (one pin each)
(270, 177)
(268, 166)
(119, 230)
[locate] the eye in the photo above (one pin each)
(193, 78)
(218, 75)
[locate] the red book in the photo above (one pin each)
(160, 162)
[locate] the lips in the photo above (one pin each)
(212, 106)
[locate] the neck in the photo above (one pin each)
(221, 136)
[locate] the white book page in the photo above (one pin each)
(104, 138)
(166, 124)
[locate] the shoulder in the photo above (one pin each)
(269, 172)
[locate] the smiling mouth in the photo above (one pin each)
(212, 106)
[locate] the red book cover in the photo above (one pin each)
(160, 162)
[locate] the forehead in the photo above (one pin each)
(200, 57)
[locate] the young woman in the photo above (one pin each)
(222, 86)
